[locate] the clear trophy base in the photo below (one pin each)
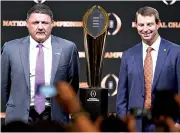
(94, 101)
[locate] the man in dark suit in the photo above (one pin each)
(36, 60)
(149, 66)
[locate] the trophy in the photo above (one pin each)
(94, 98)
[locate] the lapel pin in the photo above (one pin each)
(164, 50)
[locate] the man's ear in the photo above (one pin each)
(158, 24)
(135, 24)
(26, 23)
(52, 22)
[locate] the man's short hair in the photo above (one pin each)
(148, 11)
(40, 8)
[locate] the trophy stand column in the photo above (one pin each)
(94, 101)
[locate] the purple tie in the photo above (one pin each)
(39, 101)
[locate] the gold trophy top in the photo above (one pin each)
(85, 19)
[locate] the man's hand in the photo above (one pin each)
(177, 125)
(67, 97)
(131, 123)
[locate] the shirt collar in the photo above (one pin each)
(46, 44)
(155, 45)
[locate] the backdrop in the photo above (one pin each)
(68, 25)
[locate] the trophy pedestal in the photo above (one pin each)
(94, 101)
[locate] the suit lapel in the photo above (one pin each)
(24, 54)
(162, 54)
(138, 56)
(56, 53)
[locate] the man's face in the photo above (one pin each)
(39, 26)
(147, 28)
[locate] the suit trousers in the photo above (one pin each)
(35, 117)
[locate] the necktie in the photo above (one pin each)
(148, 75)
(39, 100)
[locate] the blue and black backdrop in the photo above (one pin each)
(68, 24)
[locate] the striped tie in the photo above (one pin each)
(148, 76)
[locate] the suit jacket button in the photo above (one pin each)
(142, 95)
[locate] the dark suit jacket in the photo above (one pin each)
(131, 78)
(15, 80)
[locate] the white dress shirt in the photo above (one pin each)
(154, 52)
(47, 64)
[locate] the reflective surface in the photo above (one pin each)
(95, 22)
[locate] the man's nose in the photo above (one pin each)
(145, 28)
(40, 26)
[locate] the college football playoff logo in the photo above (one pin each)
(114, 24)
(39, 1)
(110, 81)
(93, 93)
(167, 2)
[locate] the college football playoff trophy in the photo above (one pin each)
(94, 99)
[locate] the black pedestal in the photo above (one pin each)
(94, 101)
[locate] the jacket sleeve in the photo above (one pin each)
(178, 76)
(73, 69)
(5, 74)
(122, 96)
